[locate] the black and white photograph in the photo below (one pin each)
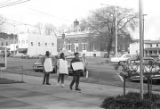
(79, 54)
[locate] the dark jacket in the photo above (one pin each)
(78, 72)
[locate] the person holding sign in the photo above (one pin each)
(48, 67)
(77, 67)
(62, 66)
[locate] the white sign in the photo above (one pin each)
(78, 66)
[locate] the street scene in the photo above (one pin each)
(79, 54)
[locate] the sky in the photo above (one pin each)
(64, 12)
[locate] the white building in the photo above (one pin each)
(151, 48)
(34, 44)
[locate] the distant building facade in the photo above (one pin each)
(8, 41)
(36, 44)
(86, 42)
(151, 48)
(81, 42)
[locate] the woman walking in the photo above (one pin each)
(48, 67)
(62, 69)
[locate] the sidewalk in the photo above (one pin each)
(33, 95)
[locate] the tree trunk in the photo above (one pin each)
(109, 46)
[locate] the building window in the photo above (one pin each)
(23, 42)
(52, 44)
(84, 46)
(39, 44)
(155, 51)
(2, 43)
(45, 44)
(31, 43)
(6, 43)
(150, 52)
(157, 45)
(68, 46)
(150, 45)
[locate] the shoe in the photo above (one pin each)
(48, 84)
(57, 84)
(62, 85)
(78, 89)
(70, 87)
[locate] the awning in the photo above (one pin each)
(156, 48)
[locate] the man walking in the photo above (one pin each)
(48, 67)
(78, 68)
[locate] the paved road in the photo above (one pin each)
(33, 95)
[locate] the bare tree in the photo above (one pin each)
(2, 21)
(49, 29)
(102, 22)
(39, 27)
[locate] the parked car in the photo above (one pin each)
(151, 68)
(38, 67)
(122, 58)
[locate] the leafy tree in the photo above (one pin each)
(102, 22)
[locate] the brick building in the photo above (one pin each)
(88, 43)
(82, 42)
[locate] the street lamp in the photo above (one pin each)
(63, 37)
(116, 39)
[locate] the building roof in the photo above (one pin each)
(155, 48)
(75, 34)
(149, 41)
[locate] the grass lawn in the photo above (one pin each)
(100, 72)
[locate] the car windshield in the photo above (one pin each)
(126, 56)
(39, 61)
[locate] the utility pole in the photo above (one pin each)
(141, 46)
(15, 41)
(64, 43)
(116, 39)
(143, 32)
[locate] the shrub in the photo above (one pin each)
(132, 101)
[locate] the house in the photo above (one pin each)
(7, 41)
(151, 48)
(36, 44)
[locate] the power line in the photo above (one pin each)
(9, 2)
(13, 3)
(48, 14)
(6, 1)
